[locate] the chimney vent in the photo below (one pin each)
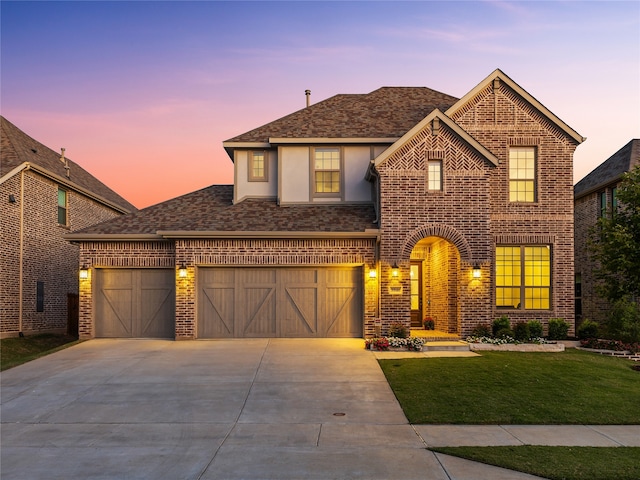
(308, 95)
(64, 160)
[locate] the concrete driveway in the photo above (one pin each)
(223, 409)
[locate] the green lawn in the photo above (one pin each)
(558, 463)
(19, 350)
(572, 387)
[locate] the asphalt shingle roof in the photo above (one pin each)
(212, 209)
(16, 148)
(387, 112)
(611, 169)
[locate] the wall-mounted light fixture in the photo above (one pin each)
(477, 273)
(395, 271)
(182, 270)
(84, 273)
(12, 198)
(373, 273)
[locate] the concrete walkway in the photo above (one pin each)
(230, 409)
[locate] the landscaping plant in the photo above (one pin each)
(502, 323)
(587, 329)
(558, 329)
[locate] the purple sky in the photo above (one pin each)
(142, 94)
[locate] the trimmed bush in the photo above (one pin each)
(397, 329)
(587, 329)
(535, 329)
(521, 331)
(504, 332)
(481, 330)
(558, 329)
(624, 323)
(500, 324)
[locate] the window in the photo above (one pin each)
(522, 174)
(62, 206)
(614, 201)
(258, 166)
(327, 170)
(602, 198)
(578, 295)
(434, 181)
(523, 277)
(39, 296)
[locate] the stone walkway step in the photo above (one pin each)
(446, 346)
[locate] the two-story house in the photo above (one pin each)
(348, 215)
(595, 197)
(43, 196)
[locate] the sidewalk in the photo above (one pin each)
(513, 435)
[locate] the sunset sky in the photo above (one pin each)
(142, 94)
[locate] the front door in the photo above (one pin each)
(416, 294)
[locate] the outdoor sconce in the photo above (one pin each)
(373, 273)
(182, 270)
(476, 271)
(395, 271)
(84, 273)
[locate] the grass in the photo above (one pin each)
(19, 350)
(558, 463)
(572, 387)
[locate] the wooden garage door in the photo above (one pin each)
(135, 303)
(280, 302)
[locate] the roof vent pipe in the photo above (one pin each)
(308, 95)
(63, 159)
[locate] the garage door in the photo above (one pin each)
(280, 302)
(135, 303)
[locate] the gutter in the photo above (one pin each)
(372, 233)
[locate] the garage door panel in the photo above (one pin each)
(218, 307)
(260, 311)
(342, 307)
(300, 316)
(135, 303)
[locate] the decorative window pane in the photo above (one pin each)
(257, 166)
(434, 173)
(523, 276)
(327, 170)
(62, 206)
(522, 174)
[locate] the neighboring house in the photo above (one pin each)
(348, 215)
(43, 196)
(595, 197)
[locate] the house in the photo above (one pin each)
(43, 195)
(348, 215)
(595, 197)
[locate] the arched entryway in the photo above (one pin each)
(435, 284)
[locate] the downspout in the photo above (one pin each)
(21, 255)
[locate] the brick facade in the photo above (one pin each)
(42, 251)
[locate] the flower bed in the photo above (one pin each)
(412, 344)
(610, 345)
(509, 344)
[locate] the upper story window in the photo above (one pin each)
(258, 164)
(522, 174)
(523, 277)
(614, 201)
(434, 180)
(327, 170)
(62, 206)
(602, 200)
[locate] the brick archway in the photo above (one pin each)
(437, 230)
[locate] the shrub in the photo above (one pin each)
(481, 330)
(521, 331)
(535, 329)
(397, 329)
(558, 329)
(428, 323)
(504, 333)
(587, 329)
(500, 324)
(624, 323)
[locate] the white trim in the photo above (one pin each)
(268, 234)
(245, 145)
(332, 140)
(13, 172)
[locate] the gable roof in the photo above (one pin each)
(437, 114)
(498, 74)
(19, 151)
(386, 113)
(611, 170)
(210, 212)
